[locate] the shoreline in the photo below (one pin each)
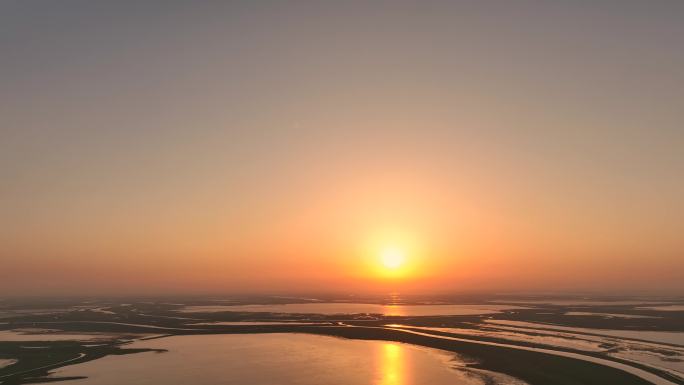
(534, 364)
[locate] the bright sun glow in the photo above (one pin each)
(392, 257)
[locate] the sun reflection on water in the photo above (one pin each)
(393, 310)
(392, 369)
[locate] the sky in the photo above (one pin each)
(162, 147)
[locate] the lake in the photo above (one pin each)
(262, 359)
(331, 308)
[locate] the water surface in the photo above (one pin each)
(49, 335)
(6, 362)
(268, 359)
(676, 338)
(331, 308)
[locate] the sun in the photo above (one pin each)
(392, 258)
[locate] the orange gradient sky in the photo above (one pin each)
(198, 147)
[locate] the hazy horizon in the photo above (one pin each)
(156, 147)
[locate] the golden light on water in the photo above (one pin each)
(392, 368)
